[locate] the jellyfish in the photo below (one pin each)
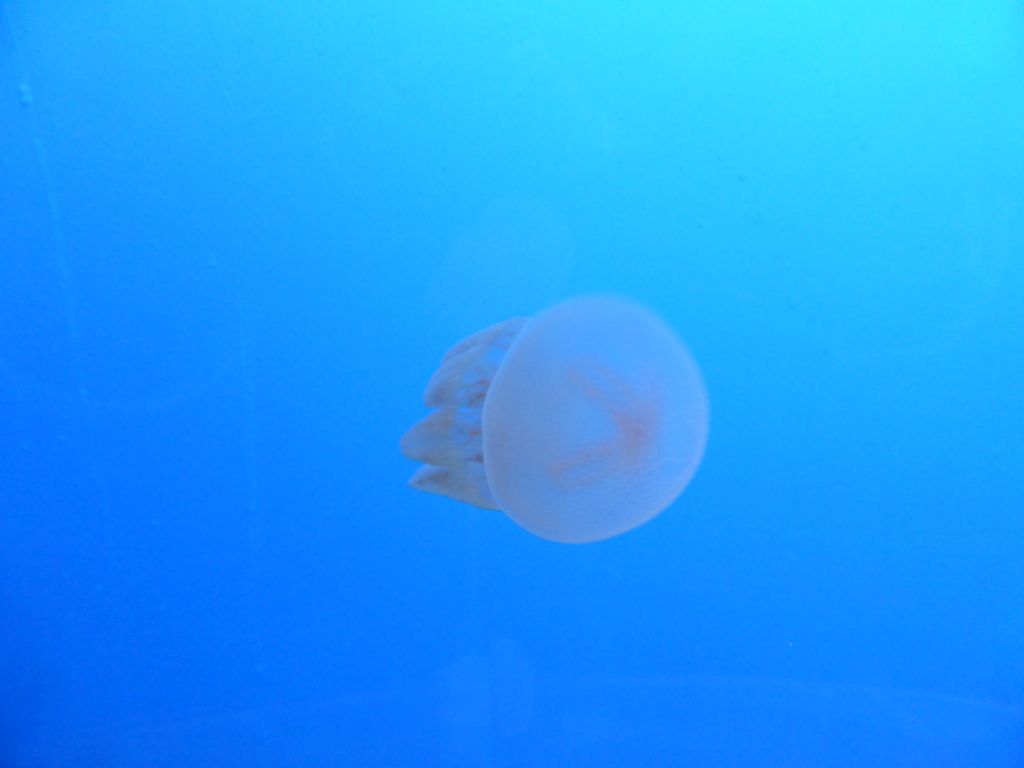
(579, 423)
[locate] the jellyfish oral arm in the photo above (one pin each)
(449, 439)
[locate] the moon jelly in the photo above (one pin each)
(580, 423)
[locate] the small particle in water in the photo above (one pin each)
(24, 95)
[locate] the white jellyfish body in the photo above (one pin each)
(580, 423)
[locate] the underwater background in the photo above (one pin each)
(236, 239)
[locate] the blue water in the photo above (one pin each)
(235, 240)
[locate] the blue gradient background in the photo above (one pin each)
(235, 240)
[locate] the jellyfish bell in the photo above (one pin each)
(580, 423)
